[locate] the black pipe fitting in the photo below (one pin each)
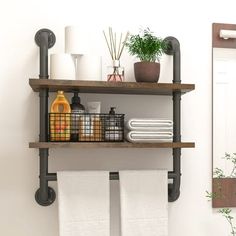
(174, 49)
(45, 195)
(45, 39)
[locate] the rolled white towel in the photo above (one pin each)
(149, 137)
(149, 124)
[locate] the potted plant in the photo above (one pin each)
(148, 48)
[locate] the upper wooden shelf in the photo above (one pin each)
(110, 145)
(109, 87)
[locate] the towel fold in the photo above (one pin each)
(144, 203)
(149, 124)
(149, 136)
(83, 199)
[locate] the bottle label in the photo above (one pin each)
(60, 127)
(75, 119)
(87, 126)
(113, 135)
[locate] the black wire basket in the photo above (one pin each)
(86, 127)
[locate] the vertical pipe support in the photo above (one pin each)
(174, 49)
(45, 195)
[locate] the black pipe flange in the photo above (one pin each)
(51, 37)
(49, 201)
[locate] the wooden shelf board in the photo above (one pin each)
(110, 145)
(110, 87)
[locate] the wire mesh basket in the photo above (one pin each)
(86, 127)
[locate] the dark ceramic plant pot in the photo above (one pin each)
(147, 71)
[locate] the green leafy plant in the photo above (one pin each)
(219, 173)
(146, 46)
(232, 159)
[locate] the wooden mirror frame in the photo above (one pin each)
(223, 187)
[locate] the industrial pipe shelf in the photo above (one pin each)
(45, 39)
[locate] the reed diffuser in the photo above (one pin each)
(115, 46)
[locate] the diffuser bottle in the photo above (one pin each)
(115, 72)
(76, 110)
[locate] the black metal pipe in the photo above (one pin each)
(43, 109)
(176, 117)
(51, 177)
(176, 64)
(45, 195)
(43, 55)
(43, 94)
(174, 193)
(177, 134)
(45, 39)
(112, 176)
(174, 49)
(43, 182)
(172, 175)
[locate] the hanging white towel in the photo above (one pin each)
(149, 124)
(144, 203)
(83, 199)
(149, 137)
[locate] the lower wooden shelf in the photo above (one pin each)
(110, 145)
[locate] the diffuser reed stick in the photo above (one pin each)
(115, 49)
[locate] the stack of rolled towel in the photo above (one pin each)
(149, 130)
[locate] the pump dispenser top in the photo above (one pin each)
(112, 111)
(75, 103)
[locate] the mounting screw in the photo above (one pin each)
(51, 37)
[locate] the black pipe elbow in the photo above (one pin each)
(45, 39)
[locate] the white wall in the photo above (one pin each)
(190, 22)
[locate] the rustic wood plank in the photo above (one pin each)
(110, 145)
(110, 87)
